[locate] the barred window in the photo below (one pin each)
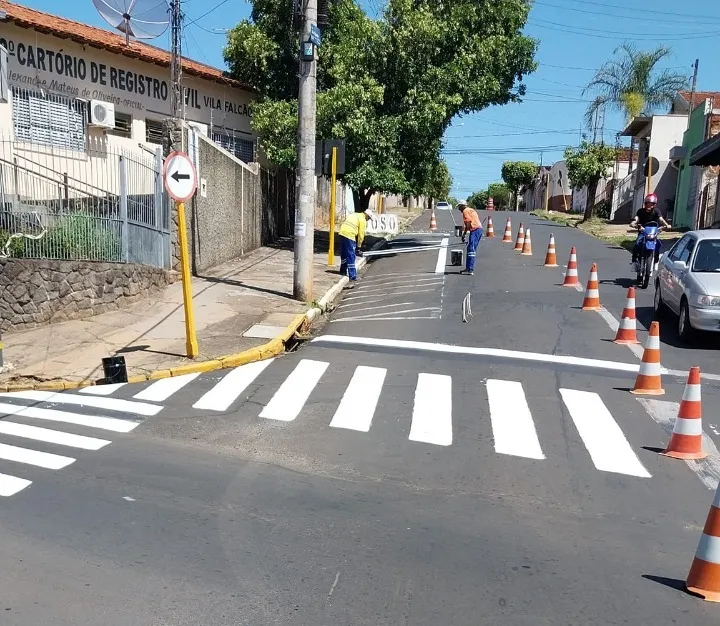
(48, 119)
(123, 126)
(243, 149)
(153, 131)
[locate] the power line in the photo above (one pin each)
(521, 134)
(629, 17)
(595, 32)
(644, 10)
(215, 8)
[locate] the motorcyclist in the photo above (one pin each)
(648, 213)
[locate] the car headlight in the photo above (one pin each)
(702, 300)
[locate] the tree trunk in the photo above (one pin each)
(361, 198)
(590, 200)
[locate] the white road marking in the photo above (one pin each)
(664, 413)
(33, 457)
(381, 297)
(416, 278)
(432, 410)
(422, 284)
(387, 319)
(10, 485)
(370, 316)
(51, 436)
(53, 415)
(345, 307)
(162, 389)
(512, 423)
(102, 390)
(289, 400)
(442, 256)
(360, 399)
(109, 404)
(423, 346)
(603, 438)
(225, 392)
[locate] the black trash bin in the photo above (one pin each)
(114, 369)
(459, 231)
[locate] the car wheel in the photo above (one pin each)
(658, 304)
(685, 330)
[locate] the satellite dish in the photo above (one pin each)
(141, 19)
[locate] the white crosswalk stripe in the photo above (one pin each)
(32, 405)
(222, 395)
(608, 448)
(512, 424)
(289, 400)
(432, 410)
(358, 404)
(162, 389)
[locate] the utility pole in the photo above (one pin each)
(694, 87)
(176, 94)
(305, 204)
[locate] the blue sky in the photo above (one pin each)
(576, 37)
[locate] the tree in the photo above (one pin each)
(438, 187)
(518, 174)
(389, 87)
(478, 200)
(586, 165)
(499, 192)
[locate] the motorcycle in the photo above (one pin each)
(648, 240)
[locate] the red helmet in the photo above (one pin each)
(651, 198)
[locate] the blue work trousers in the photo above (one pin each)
(474, 237)
(347, 258)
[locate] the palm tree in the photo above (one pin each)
(631, 84)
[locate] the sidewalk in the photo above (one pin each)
(254, 291)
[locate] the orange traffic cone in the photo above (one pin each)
(571, 276)
(627, 331)
(520, 239)
(527, 244)
(704, 576)
(686, 441)
(490, 229)
(591, 302)
(507, 237)
(649, 378)
(433, 222)
(551, 256)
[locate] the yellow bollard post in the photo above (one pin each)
(380, 204)
(333, 184)
(191, 343)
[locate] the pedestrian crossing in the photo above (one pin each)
(28, 441)
(430, 421)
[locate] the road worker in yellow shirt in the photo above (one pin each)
(352, 235)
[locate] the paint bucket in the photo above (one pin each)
(114, 370)
(459, 231)
(456, 257)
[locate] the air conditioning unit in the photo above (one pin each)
(101, 114)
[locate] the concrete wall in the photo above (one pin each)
(684, 200)
(35, 291)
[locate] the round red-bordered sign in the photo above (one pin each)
(179, 176)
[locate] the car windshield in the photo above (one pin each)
(707, 258)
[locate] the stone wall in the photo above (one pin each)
(37, 291)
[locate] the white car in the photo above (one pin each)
(443, 206)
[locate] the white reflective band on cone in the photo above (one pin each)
(653, 342)
(627, 323)
(650, 369)
(692, 393)
(709, 549)
(593, 293)
(687, 426)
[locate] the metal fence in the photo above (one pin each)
(105, 203)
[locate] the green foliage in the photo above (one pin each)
(440, 181)
(517, 174)
(499, 192)
(588, 163)
(78, 236)
(630, 83)
(389, 87)
(17, 245)
(603, 209)
(452, 200)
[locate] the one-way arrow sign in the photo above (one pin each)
(180, 176)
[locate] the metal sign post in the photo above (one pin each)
(180, 180)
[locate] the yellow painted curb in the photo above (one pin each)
(270, 349)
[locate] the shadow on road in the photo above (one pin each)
(669, 333)
(673, 583)
(625, 283)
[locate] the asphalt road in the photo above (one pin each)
(403, 467)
